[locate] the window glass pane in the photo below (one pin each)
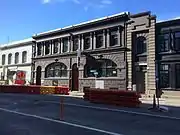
(75, 44)
(114, 37)
(16, 58)
(141, 45)
(99, 41)
(86, 43)
(47, 48)
(65, 45)
(107, 68)
(56, 44)
(9, 58)
(39, 49)
(56, 70)
(177, 41)
(3, 59)
(24, 57)
(164, 76)
(164, 43)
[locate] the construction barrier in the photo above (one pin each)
(113, 97)
(34, 89)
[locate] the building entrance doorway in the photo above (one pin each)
(75, 78)
(38, 75)
(141, 79)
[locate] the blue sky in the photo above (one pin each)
(21, 19)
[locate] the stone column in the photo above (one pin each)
(108, 38)
(119, 36)
(94, 40)
(129, 57)
(79, 42)
(104, 39)
(151, 57)
(82, 42)
(61, 40)
(59, 45)
(69, 44)
(36, 50)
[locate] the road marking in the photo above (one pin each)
(60, 122)
(116, 110)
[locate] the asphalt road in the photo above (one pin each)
(40, 115)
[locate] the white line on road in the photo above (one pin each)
(116, 110)
(60, 122)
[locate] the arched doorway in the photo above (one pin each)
(38, 75)
(75, 78)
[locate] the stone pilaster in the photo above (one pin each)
(108, 38)
(59, 45)
(151, 57)
(79, 42)
(91, 41)
(119, 36)
(129, 57)
(61, 40)
(94, 40)
(104, 39)
(82, 42)
(69, 44)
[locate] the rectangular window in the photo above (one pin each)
(75, 44)
(177, 75)
(164, 76)
(3, 59)
(99, 40)
(86, 42)
(65, 44)
(113, 38)
(56, 47)
(47, 48)
(16, 58)
(164, 43)
(177, 41)
(24, 57)
(39, 48)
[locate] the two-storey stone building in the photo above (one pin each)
(117, 52)
(168, 56)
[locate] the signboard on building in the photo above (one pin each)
(100, 84)
(20, 77)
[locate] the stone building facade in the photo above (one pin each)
(114, 52)
(168, 56)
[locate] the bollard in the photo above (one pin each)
(61, 107)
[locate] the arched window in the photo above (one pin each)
(56, 69)
(24, 56)
(10, 58)
(3, 59)
(141, 45)
(16, 57)
(107, 68)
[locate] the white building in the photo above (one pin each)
(15, 56)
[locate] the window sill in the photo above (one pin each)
(56, 78)
(102, 78)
